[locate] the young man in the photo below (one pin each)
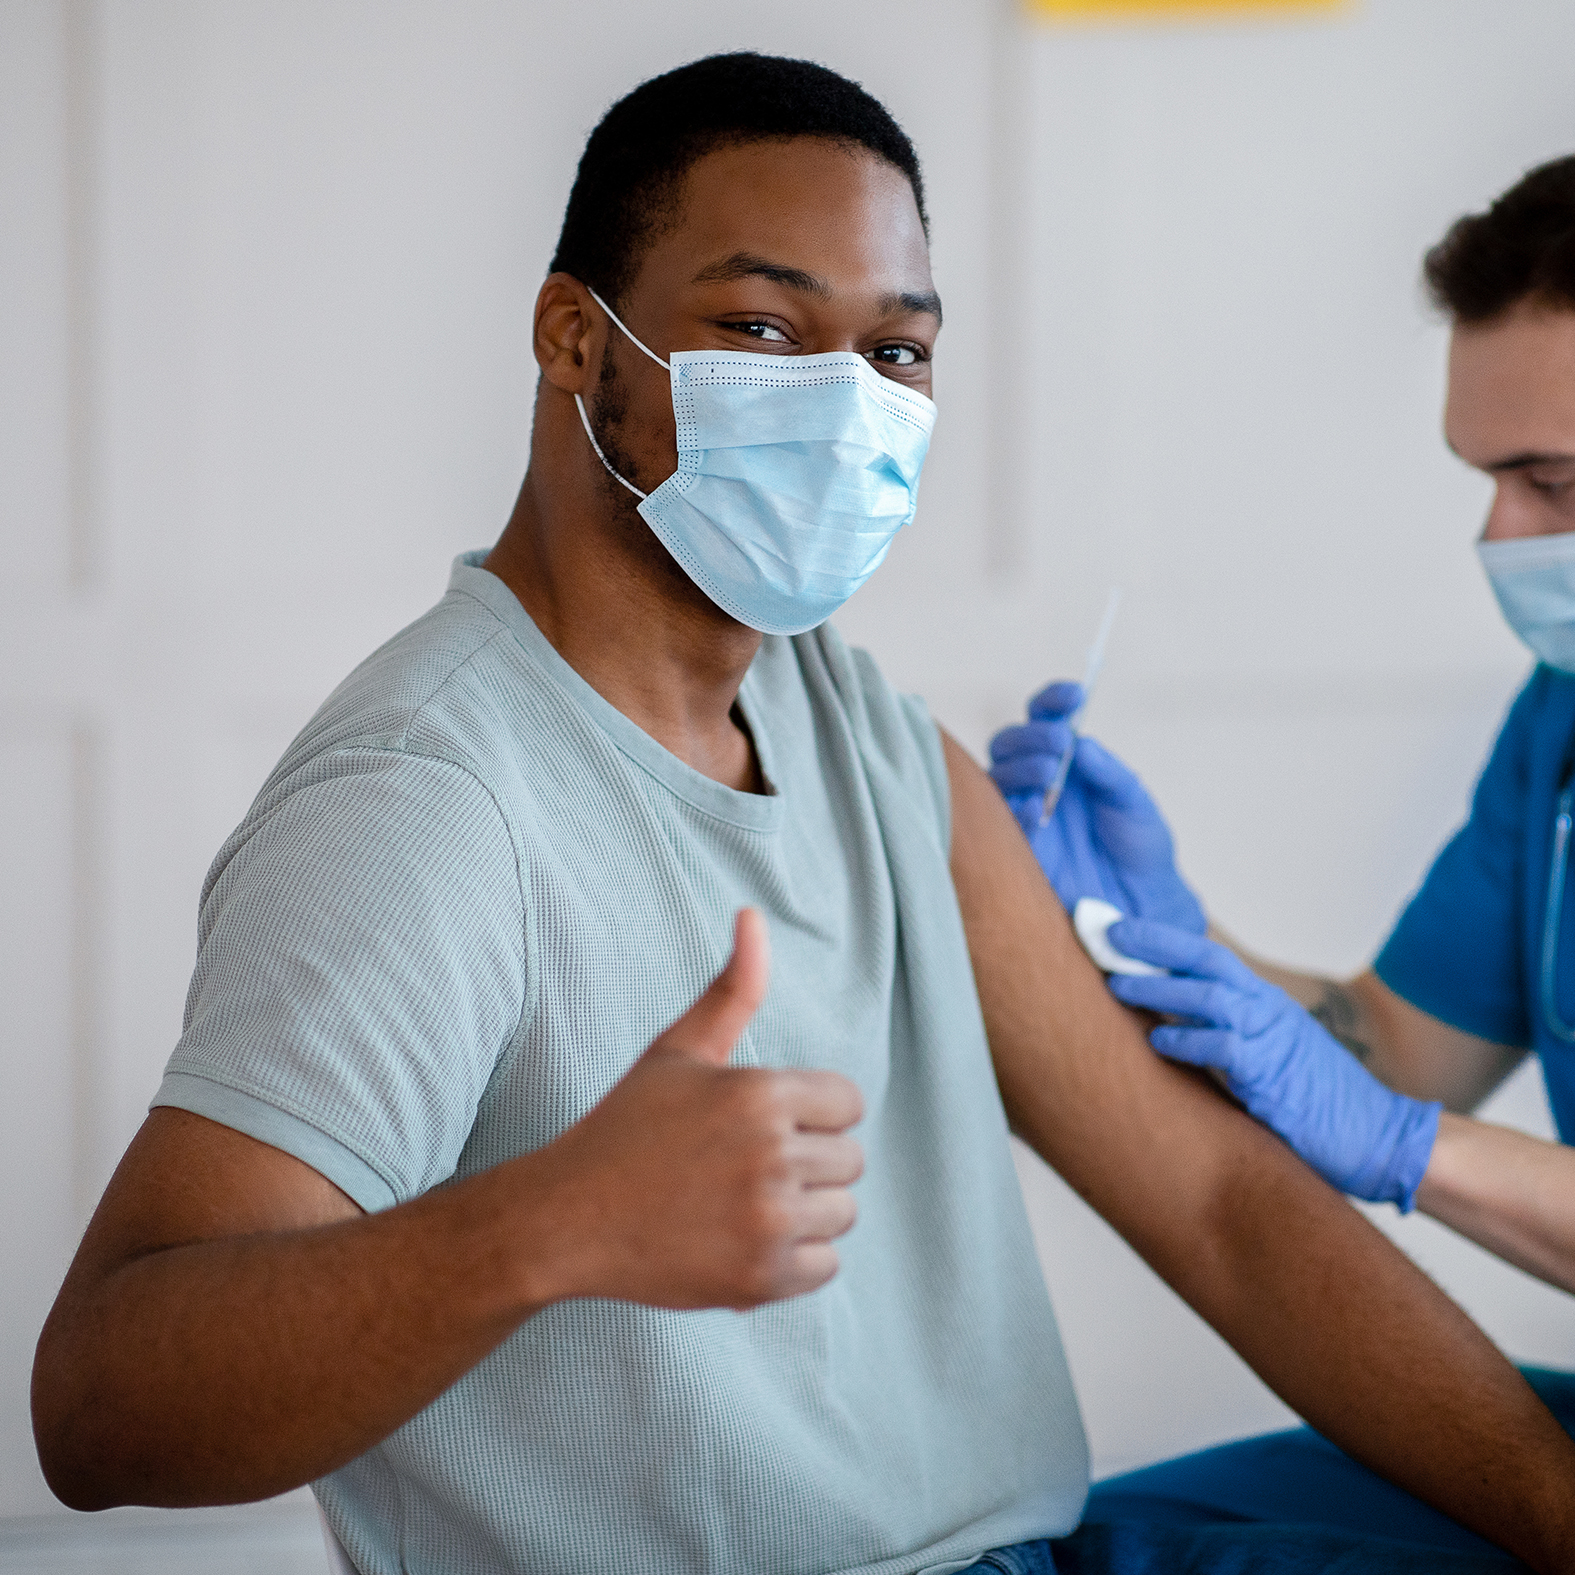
(1478, 970)
(476, 1195)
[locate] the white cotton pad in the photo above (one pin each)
(1092, 919)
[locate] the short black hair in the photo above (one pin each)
(1522, 248)
(631, 174)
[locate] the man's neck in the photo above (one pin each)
(623, 615)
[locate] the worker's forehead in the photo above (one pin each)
(838, 212)
(1512, 385)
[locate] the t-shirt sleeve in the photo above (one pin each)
(932, 758)
(1457, 949)
(360, 973)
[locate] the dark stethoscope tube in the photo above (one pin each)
(1558, 871)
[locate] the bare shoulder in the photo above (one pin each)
(1049, 1016)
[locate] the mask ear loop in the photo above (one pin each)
(585, 421)
(579, 404)
(625, 331)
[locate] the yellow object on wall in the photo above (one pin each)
(1171, 8)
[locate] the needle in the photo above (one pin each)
(1095, 660)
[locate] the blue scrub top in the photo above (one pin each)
(1468, 948)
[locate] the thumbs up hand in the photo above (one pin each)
(696, 1184)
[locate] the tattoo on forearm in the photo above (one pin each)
(1343, 1018)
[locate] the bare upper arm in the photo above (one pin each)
(186, 1179)
(1421, 1056)
(1152, 1146)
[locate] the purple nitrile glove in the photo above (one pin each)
(1282, 1064)
(1105, 838)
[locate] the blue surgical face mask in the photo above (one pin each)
(794, 473)
(1534, 580)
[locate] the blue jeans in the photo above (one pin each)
(1282, 1504)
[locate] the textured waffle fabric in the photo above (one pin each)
(467, 898)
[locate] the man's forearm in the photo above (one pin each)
(1312, 1297)
(232, 1326)
(1316, 1310)
(229, 1370)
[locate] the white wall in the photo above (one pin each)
(265, 280)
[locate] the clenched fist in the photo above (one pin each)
(696, 1184)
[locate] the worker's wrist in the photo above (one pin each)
(1447, 1181)
(1417, 1122)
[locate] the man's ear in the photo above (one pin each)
(569, 334)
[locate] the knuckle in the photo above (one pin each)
(845, 1095)
(757, 1098)
(766, 1219)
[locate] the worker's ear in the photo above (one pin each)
(570, 334)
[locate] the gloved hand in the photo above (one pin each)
(1105, 838)
(1279, 1062)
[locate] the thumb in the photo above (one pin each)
(710, 1028)
(1056, 700)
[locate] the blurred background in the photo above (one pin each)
(266, 278)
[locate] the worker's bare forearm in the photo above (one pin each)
(1400, 1044)
(1323, 1306)
(232, 1369)
(1509, 1192)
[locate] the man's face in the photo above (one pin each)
(1511, 414)
(780, 248)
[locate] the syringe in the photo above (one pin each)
(1095, 660)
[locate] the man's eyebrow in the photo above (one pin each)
(746, 265)
(926, 301)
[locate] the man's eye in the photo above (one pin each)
(769, 332)
(896, 355)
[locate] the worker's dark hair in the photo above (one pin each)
(630, 178)
(1522, 248)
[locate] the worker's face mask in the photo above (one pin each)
(794, 473)
(1534, 580)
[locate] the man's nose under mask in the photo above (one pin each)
(794, 473)
(1533, 578)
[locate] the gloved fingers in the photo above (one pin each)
(1204, 1001)
(1031, 740)
(1027, 809)
(1056, 700)
(1182, 951)
(1196, 1046)
(1028, 774)
(1110, 777)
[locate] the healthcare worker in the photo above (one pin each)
(1373, 1080)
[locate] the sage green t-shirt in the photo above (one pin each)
(468, 897)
